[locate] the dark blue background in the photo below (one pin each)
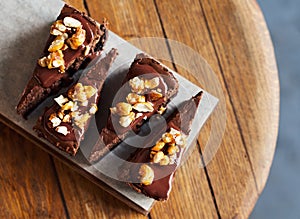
(281, 197)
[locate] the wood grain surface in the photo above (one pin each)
(232, 36)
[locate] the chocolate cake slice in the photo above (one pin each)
(74, 39)
(150, 170)
(65, 123)
(146, 90)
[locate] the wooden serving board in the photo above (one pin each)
(232, 37)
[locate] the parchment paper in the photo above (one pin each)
(24, 30)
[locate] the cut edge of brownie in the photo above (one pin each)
(34, 93)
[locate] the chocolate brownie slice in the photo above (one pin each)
(74, 39)
(146, 90)
(65, 123)
(150, 170)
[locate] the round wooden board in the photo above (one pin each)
(232, 36)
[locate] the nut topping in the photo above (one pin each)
(61, 114)
(64, 32)
(43, 62)
(138, 115)
(93, 109)
(174, 132)
(126, 120)
(54, 120)
(71, 22)
(67, 118)
(62, 28)
(81, 93)
(152, 153)
(74, 114)
(137, 85)
(61, 100)
(87, 50)
(133, 98)
(173, 150)
(113, 110)
(56, 32)
(143, 107)
(136, 102)
(84, 103)
(64, 47)
(62, 130)
(123, 109)
(153, 83)
(146, 174)
(58, 28)
(75, 107)
(77, 93)
(159, 145)
(161, 110)
(81, 120)
(77, 96)
(181, 141)
(68, 106)
(154, 95)
(165, 160)
(158, 156)
(77, 39)
(57, 44)
(89, 91)
(169, 144)
(56, 60)
(53, 60)
(167, 137)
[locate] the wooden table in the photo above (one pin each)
(232, 36)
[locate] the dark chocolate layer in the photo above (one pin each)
(70, 143)
(161, 186)
(114, 133)
(44, 81)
